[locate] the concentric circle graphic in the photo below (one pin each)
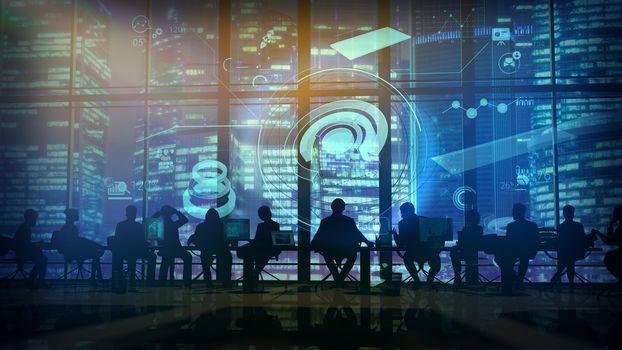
(459, 196)
(348, 133)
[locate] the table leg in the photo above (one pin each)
(365, 284)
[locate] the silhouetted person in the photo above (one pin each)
(409, 238)
(27, 250)
(130, 245)
(520, 244)
(571, 244)
(171, 247)
(209, 236)
(258, 252)
(337, 239)
(469, 241)
(613, 258)
(75, 247)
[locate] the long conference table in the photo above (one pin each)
(364, 254)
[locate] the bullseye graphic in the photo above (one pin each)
(345, 125)
(209, 183)
(459, 196)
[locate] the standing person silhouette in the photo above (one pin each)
(469, 240)
(613, 258)
(130, 245)
(76, 247)
(571, 244)
(27, 250)
(171, 246)
(337, 239)
(409, 238)
(523, 239)
(209, 236)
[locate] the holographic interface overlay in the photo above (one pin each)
(348, 127)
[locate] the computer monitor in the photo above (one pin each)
(155, 229)
(237, 230)
(283, 238)
(435, 230)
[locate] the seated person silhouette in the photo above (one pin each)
(74, 247)
(469, 241)
(409, 239)
(258, 252)
(520, 244)
(337, 239)
(171, 246)
(613, 258)
(130, 245)
(27, 250)
(571, 245)
(209, 236)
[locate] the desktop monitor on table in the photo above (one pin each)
(435, 230)
(237, 230)
(155, 229)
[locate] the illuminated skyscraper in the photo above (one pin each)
(36, 54)
(588, 50)
(92, 76)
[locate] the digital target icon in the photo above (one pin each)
(342, 126)
(209, 184)
(460, 197)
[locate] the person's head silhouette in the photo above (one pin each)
(167, 212)
(212, 215)
(338, 206)
(71, 215)
(568, 212)
(407, 209)
(617, 213)
(472, 217)
(518, 211)
(264, 213)
(130, 212)
(30, 217)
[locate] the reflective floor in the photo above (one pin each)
(69, 316)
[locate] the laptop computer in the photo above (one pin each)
(283, 238)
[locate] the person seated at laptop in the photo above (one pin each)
(75, 247)
(337, 239)
(409, 238)
(258, 252)
(469, 240)
(171, 246)
(209, 236)
(130, 245)
(27, 250)
(520, 244)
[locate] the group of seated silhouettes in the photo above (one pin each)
(337, 239)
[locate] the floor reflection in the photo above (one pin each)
(328, 319)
